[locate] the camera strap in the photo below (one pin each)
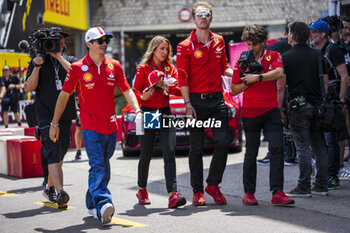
(56, 67)
(262, 56)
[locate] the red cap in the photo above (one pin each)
(154, 77)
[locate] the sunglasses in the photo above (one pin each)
(101, 40)
(202, 15)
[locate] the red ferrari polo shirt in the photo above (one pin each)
(95, 86)
(158, 99)
(200, 65)
(260, 97)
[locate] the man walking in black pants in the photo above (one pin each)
(305, 95)
(201, 60)
(260, 111)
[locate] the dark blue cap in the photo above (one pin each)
(320, 25)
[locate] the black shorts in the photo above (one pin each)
(55, 152)
(77, 122)
(12, 107)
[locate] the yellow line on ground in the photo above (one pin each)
(52, 205)
(127, 223)
(5, 194)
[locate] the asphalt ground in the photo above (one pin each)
(23, 208)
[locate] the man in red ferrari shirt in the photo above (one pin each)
(260, 111)
(95, 77)
(201, 60)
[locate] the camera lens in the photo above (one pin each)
(48, 45)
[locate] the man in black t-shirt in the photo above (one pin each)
(301, 66)
(337, 89)
(46, 76)
(11, 97)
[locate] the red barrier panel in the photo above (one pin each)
(23, 157)
(72, 128)
(29, 131)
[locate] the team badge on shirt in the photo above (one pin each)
(268, 58)
(84, 68)
(87, 77)
(167, 68)
(198, 54)
(110, 66)
(216, 40)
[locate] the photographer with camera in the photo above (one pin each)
(337, 90)
(46, 75)
(9, 101)
(255, 74)
(305, 95)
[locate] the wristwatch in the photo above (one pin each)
(260, 77)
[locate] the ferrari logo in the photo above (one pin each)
(110, 66)
(268, 58)
(167, 68)
(216, 40)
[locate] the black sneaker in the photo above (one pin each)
(318, 190)
(50, 194)
(265, 160)
(45, 181)
(62, 199)
(299, 191)
(78, 155)
(290, 162)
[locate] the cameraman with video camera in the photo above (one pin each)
(254, 74)
(46, 75)
(337, 90)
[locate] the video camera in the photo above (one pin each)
(42, 41)
(335, 25)
(248, 65)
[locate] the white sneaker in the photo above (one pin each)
(107, 211)
(93, 212)
(344, 173)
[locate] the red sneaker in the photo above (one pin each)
(214, 191)
(280, 198)
(249, 199)
(142, 195)
(175, 200)
(198, 199)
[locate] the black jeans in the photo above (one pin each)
(167, 138)
(205, 109)
(309, 140)
(271, 123)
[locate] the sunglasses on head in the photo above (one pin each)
(101, 40)
(202, 15)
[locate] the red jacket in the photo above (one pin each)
(200, 66)
(158, 99)
(260, 97)
(95, 86)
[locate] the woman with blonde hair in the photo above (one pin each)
(156, 78)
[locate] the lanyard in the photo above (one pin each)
(206, 45)
(262, 56)
(56, 67)
(150, 63)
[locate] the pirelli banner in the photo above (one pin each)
(69, 13)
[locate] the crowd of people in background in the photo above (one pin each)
(312, 60)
